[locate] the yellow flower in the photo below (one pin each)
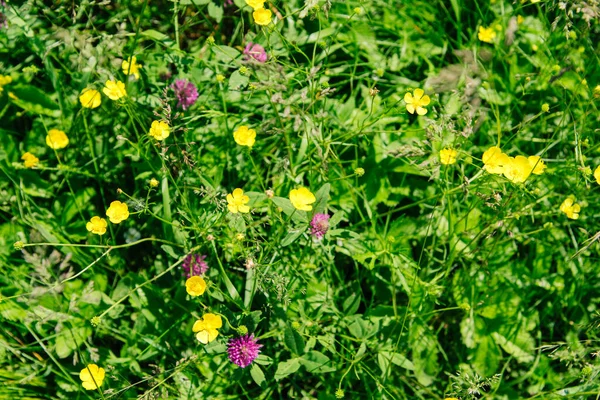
(262, 16)
(117, 212)
(236, 201)
(131, 67)
(256, 4)
(57, 139)
(114, 90)
(244, 136)
(537, 165)
(416, 101)
(195, 286)
(517, 169)
(494, 160)
(596, 174)
(5, 80)
(159, 130)
(302, 198)
(570, 208)
(220, 78)
(206, 328)
(92, 377)
(153, 183)
(486, 34)
(29, 160)
(448, 156)
(520, 19)
(97, 226)
(90, 98)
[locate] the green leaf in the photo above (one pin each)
(287, 368)
(316, 362)
(155, 35)
(351, 304)
(289, 210)
(237, 81)
(169, 250)
(293, 340)
(322, 196)
(486, 357)
(292, 236)
(225, 53)
(34, 100)
(257, 374)
(397, 359)
(68, 340)
(215, 11)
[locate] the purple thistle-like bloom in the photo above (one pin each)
(194, 264)
(319, 225)
(243, 350)
(255, 51)
(186, 93)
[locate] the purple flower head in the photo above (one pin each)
(255, 51)
(243, 350)
(194, 264)
(319, 225)
(186, 93)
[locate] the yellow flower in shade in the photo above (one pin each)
(448, 156)
(114, 90)
(206, 328)
(29, 160)
(5, 80)
(131, 67)
(596, 174)
(517, 169)
(90, 98)
(301, 199)
(97, 226)
(57, 139)
(262, 16)
(153, 183)
(256, 4)
(537, 165)
(244, 136)
(117, 212)
(570, 208)
(416, 102)
(195, 286)
(236, 201)
(92, 377)
(159, 130)
(486, 34)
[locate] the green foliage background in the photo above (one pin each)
(433, 281)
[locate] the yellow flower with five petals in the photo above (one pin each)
(417, 102)
(206, 328)
(236, 202)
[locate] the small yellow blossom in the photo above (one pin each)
(537, 165)
(240, 236)
(153, 183)
(597, 91)
(114, 90)
(520, 19)
(92, 377)
(486, 34)
(5, 80)
(90, 98)
(302, 198)
(97, 225)
(195, 286)
(206, 328)
(29, 160)
(244, 136)
(597, 174)
(448, 156)
(262, 16)
(545, 107)
(236, 201)
(117, 212)
(159, 130)
(57, 139)
(517, 169)
(256, 4)
(131, 67)
(570, 208)
(416, 102)
(494, 160)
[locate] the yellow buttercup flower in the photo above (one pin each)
(5, 80)
(92, 377)
(29, 160)
(597, 174)
(236, 201)
(448, 156)
(494, 160)
(159, 130)
(206, 328)
(57, 139)
(195, 286)
(416, 102)
(244, 136)
(262, 16)
(570, 208)
(486, 34)
(90, 98)
(301, 199)
(114, 90)
(517, 169)
(131, 67)
(153, 183)
(97, 226)
(537, 165)
(256, 4)
(117, 212)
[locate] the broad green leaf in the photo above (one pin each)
(322, 196)
(215, 11)
(293, 340)
(397, 359)
(316, 362)
(286, 368)
(292, 236)
(34, 100)
(257, 374)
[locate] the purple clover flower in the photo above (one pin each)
(255, 51)
(186, 92)
(319, 225)
(243, 350)
(194, 265)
